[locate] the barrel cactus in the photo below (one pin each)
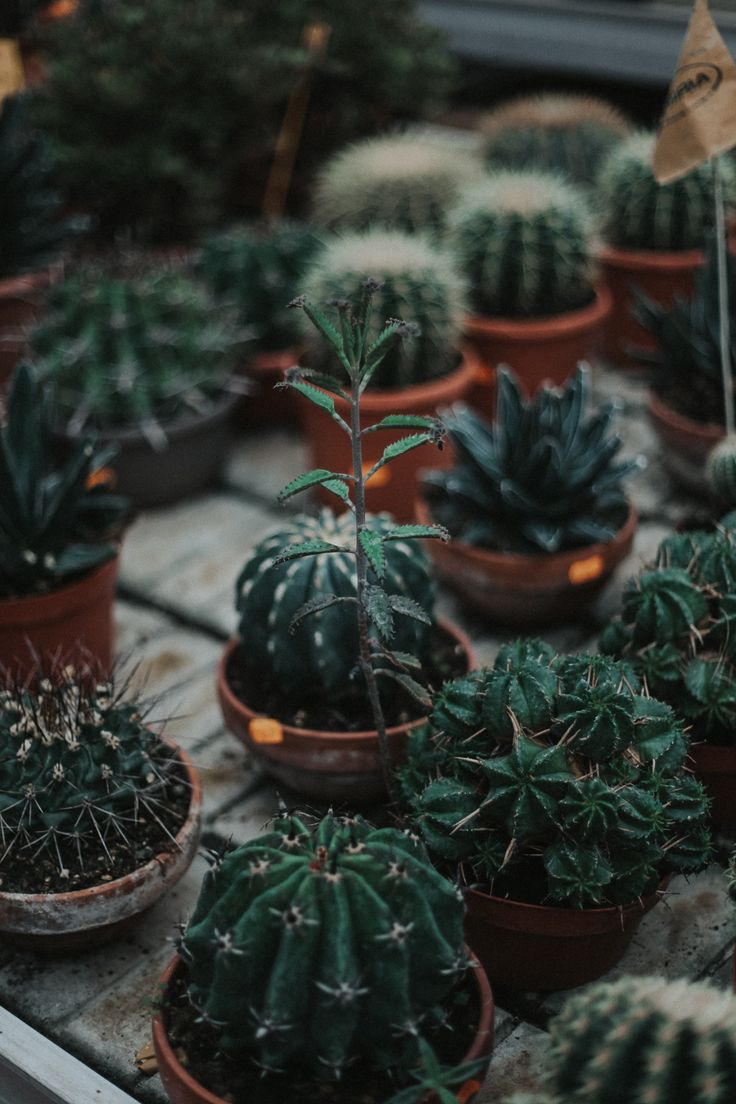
(312, 947)
(419, 282)
(319, 659)
(554, 131)
(524, 241)
(721, 471)
(636, 212)
(403, 182)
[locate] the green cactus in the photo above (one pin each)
(664, 604)
(642, 1040)
(525, 244)
(585, 802)
(312, 947)
(257, 270)
(400, 182)
(720, 471)
(636, 212)
(541, 478)
(419, 283)
(554, 132)
(56, 522)
(126, 347)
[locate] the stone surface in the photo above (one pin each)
(516, 1065)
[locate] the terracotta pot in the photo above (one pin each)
(325, 766)
(539, 350)
(55, 922)
(393, 487)
(525, 590)
(20, 305)
(77, 616)
(181, 1088)
(193, 459)
(715, 767)
(267, 407)
(540, 948)
(661, 276)
(686, 443)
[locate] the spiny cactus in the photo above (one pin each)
(524, 241)
(642, 1040)
(125, 347)
(402, 182)
(541, 478)
(315, 946)
(257, 270)
(418, 282)
(316, 659)
(720, 470)
(56, 523)
(554, 131)
(570, 787)
(637, 212)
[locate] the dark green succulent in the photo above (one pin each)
(541, 478)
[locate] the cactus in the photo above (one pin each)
(636, 212)
(56, 523)
(419, 282)
(720, 471)
(312, 947)
(555, 132)
(125, 347)
(400, 182)
(32, 229)
(258, 270)
(570, 789)
(642, 1040)
(541, 478)
(524, 241)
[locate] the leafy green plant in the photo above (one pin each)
(560, 782)
(417, 280)
(525, 243)
(433, 1077)
(56, 523)
(541, 478)
(401, 182)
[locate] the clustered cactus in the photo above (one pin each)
(560, 782)
(524, 241)
(315, 946)
(637, 212)
(130, 348)
(541, 478)
(418, 282)
(401, 182)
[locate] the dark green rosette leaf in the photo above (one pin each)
(578, 876)
(596, 721)
(525, 787)
(663, 605)
(589, 811)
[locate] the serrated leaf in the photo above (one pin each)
(372, 545)
(316, 605)
(417, 691)
(312, 478)
(401, 604)
(306, 548)
(319, 398)
(398, 448)
(408, 532)
(339, 488)
(406, 659)
(378, 607)
(403, 421)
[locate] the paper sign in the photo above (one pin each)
(265, 730)
(584, 571)
(699, 118)
(11, 68)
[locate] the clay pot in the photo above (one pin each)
(539, 350)
(181, 1088)
(324, 766)
(393, 487)
(20, 305)
(75, 618)
(266, 407)
(686, 443)
(53, 922)
(523, 590)
(541, 948)
(661, 276)
(715, 767)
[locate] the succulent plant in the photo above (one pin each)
(56, 523)
(418, 282)
(554, 131)
(400, 182)
(258, 271)
(644, 1039)
(636, 212)
(315, 946)
(570, 788)
(33, 229)
(524, 241)
(541, 478)
(130, 348)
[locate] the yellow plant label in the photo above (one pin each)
(584, 571)
(265, 730)
(11, 68)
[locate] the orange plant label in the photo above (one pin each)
(265, 730)
(379, 478)
(484, 374)
(467, 1091)
(11, 68)
(102, 477)
(584, 571)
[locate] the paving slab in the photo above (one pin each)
(516, 1065)
(262, 463)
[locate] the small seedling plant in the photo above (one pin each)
(357, 358)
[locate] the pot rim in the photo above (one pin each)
(273, 360)
(14, 611)
(639, 260)
(549, 327)
(660, 411)
(25, 283)
(638, 904)
(191, 423)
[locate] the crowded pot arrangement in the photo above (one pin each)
(426, 316)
